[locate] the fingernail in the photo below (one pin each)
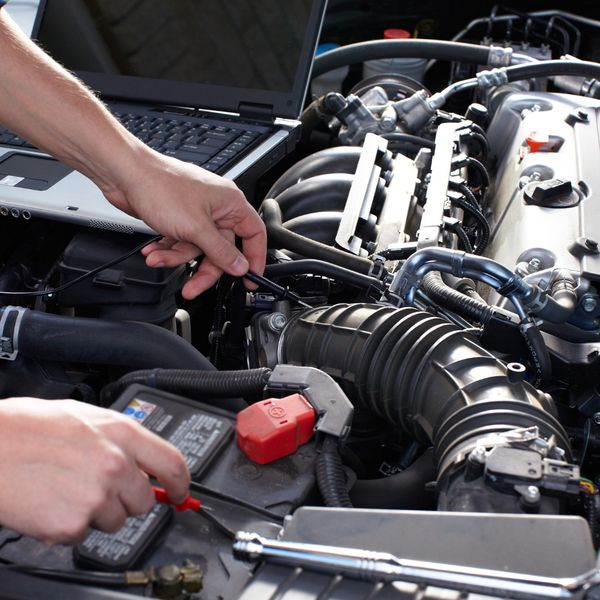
(159, 265)
(239, 266)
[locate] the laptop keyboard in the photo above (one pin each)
(210, 145)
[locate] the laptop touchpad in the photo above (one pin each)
(31, 171)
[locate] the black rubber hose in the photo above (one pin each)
(320, 267)
(371, 50)
(550, 68)
(404, 490)
(220, 384)
(539, 352)
(475, 310)
(280, 237)
(342, 159)
(315, 194)
(97, 341)
(418, 372)
(331, 479)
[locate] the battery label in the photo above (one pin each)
(197, 434)
(121, 549)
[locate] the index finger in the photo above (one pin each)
(162, 460)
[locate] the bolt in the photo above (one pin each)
(276, 321)
(591, 244)
(533, 493)
(535, 264)
(596, 418)
(478, 455)
(582, 115)
(589, 303)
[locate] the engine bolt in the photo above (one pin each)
(589, 303)
(276, 321)
(534, 265)
(533, 493)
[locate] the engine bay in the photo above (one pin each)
(418, 373)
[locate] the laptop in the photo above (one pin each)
(220, 83)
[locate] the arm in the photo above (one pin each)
(196, 211)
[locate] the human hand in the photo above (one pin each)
(198, 213)
(66, 465)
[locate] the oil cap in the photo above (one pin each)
(274, 428)
(551, 193)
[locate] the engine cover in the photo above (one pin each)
(544, 213)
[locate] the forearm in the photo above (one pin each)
(45, 104)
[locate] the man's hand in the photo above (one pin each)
(197, 212)
(65, 466)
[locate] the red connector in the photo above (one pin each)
(274, 428)
(188, 504)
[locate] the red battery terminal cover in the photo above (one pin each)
(275, 428)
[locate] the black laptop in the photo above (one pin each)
(219, 83)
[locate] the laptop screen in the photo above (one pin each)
(213, 54)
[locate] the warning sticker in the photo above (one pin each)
(139, 410)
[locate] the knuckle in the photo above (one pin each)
(114, 464)
(114, 524)
(68, 531)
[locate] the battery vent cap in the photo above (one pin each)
(275, 427)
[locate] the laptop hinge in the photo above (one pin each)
(256, 112)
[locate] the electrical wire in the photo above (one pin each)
(86, 275)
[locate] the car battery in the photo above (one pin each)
(205, 435)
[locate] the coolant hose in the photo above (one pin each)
(133, 345)
(280, 237)
(342, 159)
(325, 269)
(372, 50)
(213, 384)
(472, 308)
(331, 479)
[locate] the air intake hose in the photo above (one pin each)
(420, 373)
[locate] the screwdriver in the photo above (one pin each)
(277, 289)
(188, 504)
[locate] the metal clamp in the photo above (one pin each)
(10, 324)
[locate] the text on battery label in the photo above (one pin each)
(196, 436)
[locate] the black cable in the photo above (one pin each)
(86, 577)
(407, 138)
(481, 170)
(71, 283)
(461, 234)
(481, 221)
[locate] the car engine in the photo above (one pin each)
(418, 374)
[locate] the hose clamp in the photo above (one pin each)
(500, 56)
(492, 78)
(10, 325)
